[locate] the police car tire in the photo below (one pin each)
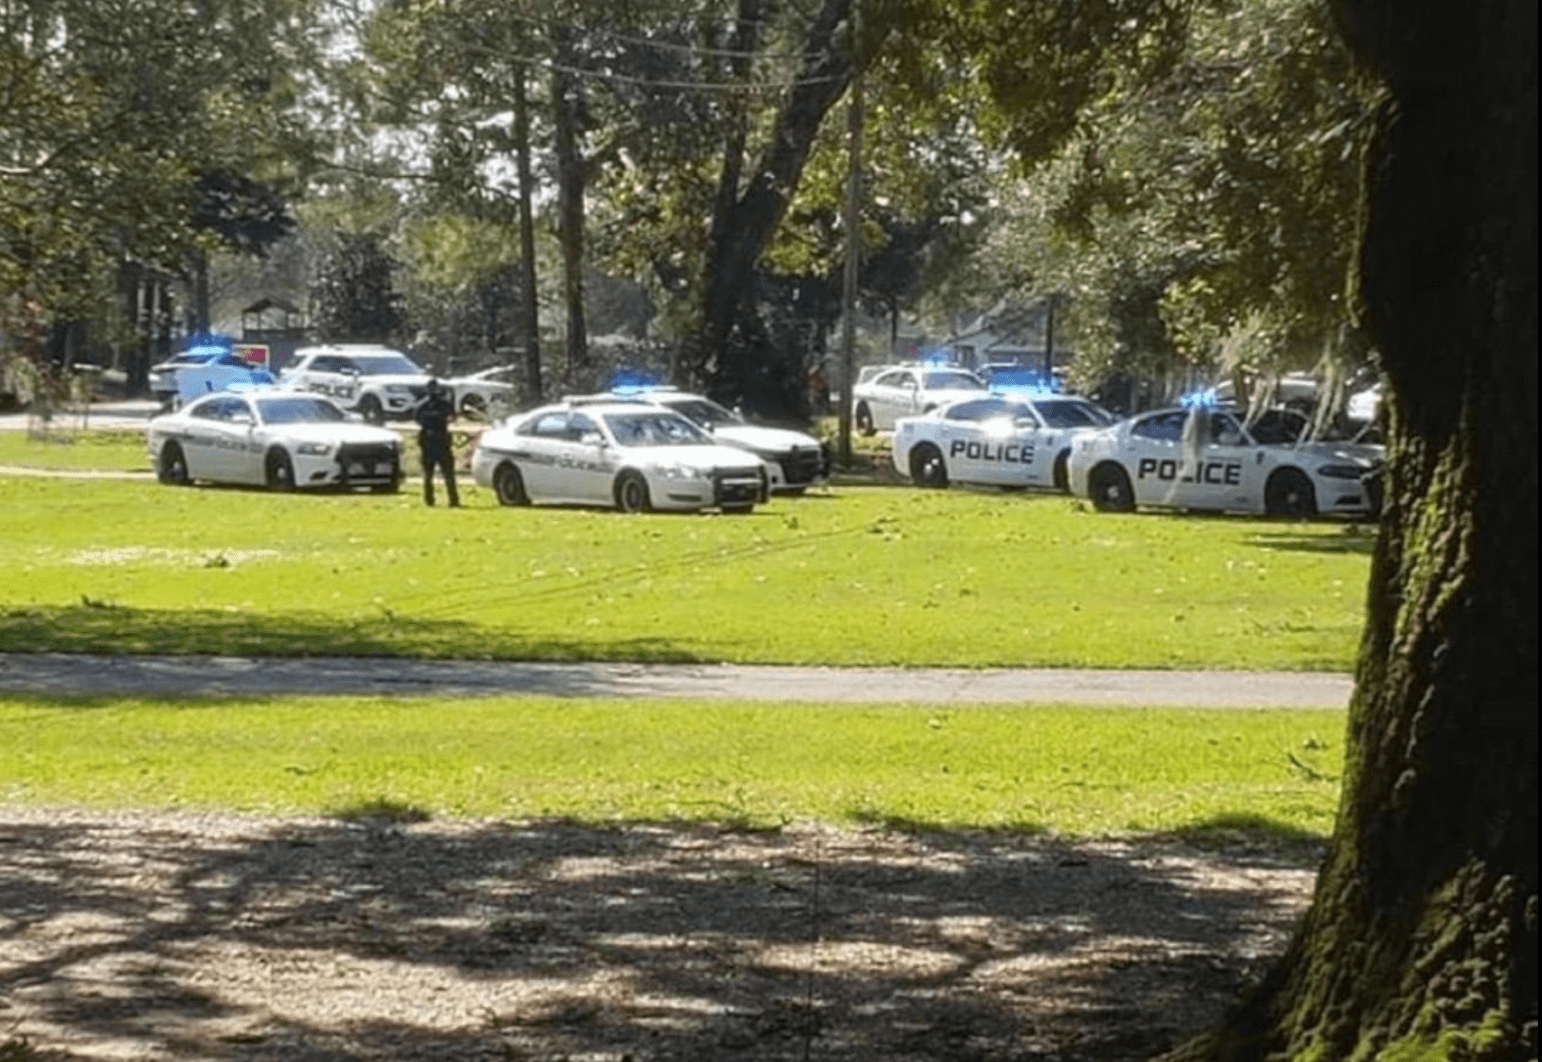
(865, 420)
(1290, 493)
(509, 485)
(370, 409)
(927, 467)
(172, 467)
(1109, 488)
(278, 471)
(631, 492)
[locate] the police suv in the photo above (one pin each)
(1004, 440)
(1201, 457)
(631, 455)
(378, 382)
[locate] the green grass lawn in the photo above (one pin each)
(1074, 772)
(71, 449)
(848, 576)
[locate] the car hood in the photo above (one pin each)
(705, 456)
(1366, 454)
(764, 440)
(336, 432)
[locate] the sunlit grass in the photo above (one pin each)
(849, 575)
(1070, 771)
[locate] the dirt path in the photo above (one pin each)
(197, 937)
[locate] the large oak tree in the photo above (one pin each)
(1422, 938)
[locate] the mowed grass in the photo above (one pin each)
(67, 448)
(844, 576)
(1074, 772)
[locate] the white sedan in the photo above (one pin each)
(486, 394)
(998, 440)
(1203, 458)
(905, 390)
(794, 459)
(277, 439)
(630, 455)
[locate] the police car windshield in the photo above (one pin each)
(298, 409)
(386, 365)
(1066, 413)
(703, 411)
(951, 381)
(655, 429)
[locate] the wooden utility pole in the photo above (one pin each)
(853, 223)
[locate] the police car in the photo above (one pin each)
(905, 390)
(200, 370)
(1004, 440)
(271, 438)
(377, 381)
(631, 455)
(1201, 457)
(794, 459)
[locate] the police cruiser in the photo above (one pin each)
(1004, 440)
(1201, 457)
(630, 455)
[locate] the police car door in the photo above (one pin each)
(1154, 457)
(588, 471)
(1229, 473)
(992, 441)
(221, 425)
(538, 447)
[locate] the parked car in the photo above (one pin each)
(272, 438)
(999, 440)
(200, 370)
(630, 455)
(378, 382)
(1201, 457)
(794, 459)
(905, 390)
(486, 394)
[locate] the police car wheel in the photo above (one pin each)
(927, 467)
(865, 423)
(509, 486)
(172, 467)
(632, 493)
(1290, 493)
(279, 471)
(1109, 488)
(370, 410)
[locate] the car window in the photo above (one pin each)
(553, 425)
(210, 409)
(703, 411)
(390, 364)
(579, 425)
(989, 409)
(325, 363)
(1167, 427)
(953, 381)
(1064, 413)
(299, 409)
(1225, 431)
(655, 429)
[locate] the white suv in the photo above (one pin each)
(378, 382)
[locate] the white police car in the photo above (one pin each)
(200, 370)
(631, 455)
(277, 439)
(1201, 457)
(794, 459)
(377, 381)
(999, 440)
(905, 390)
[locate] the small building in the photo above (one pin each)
(276, 324)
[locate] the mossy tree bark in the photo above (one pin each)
(1421, 942)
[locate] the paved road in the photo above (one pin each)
(159, 676)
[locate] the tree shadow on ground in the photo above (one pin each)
(224, 938)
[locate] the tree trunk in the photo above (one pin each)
(570, 202)
(741, 231)
(530, 320)
(1422, 938)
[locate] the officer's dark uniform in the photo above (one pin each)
(433, 416)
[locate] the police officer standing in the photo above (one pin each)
(433, 415)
